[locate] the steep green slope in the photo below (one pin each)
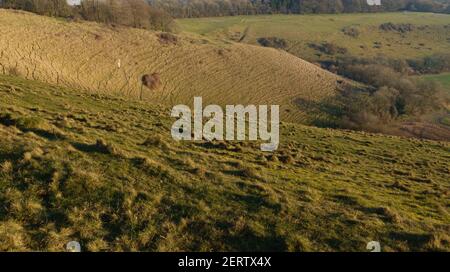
(104, 171)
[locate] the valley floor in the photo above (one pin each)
(359, 34)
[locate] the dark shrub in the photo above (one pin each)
(329, 48)
(167, 38)
(402, 28)
(132, 13)
(390, 95)
(434, 64)
(58, 8)
(151, 81)
(273, 42)
(351, 31)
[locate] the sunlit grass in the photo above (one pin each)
(104, 171)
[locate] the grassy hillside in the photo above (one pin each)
(103, 170)
(86, 56)
(430, 32)
(443, 79)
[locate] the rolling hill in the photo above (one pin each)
(82, 158)
(333, 39)
(103, 170)
(86, 56)
(360, 34)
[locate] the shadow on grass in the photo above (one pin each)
(415, 241)
(248, 240)
(88, 148)
(323, 112)
(254, 202)
(99, 147)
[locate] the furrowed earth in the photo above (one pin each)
(86, 56)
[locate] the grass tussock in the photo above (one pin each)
(351, 31)
(103, 147)
(6, 167)
(273, 42)
(156, 141)
(167, 38)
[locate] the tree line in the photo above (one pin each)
(158, 14)
(392, 92)
(132, 13)
(205, 8)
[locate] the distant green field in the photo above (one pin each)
(444, 79)
(430, 34)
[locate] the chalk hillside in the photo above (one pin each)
(94, 57)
